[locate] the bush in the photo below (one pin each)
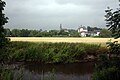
(108, 67)
(107, 74)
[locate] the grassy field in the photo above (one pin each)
(64, 39)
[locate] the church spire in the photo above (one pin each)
(60, 26)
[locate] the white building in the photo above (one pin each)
(94, 33)
(83, 31)
(97, 34)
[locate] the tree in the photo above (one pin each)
(54, 32)
(3, 20)
(3, 40)
(63, 33)
(113, 21)
(16, 32)
(105, 33)
(89, 28)
(24, 33)
(7, 32)
(111, 71)
(73, 33)
(33, 33)
(93, 28)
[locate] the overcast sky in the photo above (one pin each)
(49, 14)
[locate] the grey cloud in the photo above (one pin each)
(48, 14)
(86, 2)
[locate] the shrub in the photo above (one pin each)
(107, 74)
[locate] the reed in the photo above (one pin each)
(50, 52)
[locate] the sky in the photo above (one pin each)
(49, 14)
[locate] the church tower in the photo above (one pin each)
(60, 26)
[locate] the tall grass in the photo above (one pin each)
(50, 52)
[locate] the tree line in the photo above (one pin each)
(39, 33)
(53, 33)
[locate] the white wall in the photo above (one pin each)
(83, 34)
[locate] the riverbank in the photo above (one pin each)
(51, 52)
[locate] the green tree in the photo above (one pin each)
(3, 40)
(24, 33)
(113, 21)
(63, 33)
(16, 32)
(33, 33)
(105, 33)
(93, 28)
(73, 33)
(7, 32)
(54, 32)
(3, 20)
(89, 28)
(109, 68)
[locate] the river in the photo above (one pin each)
(74, 71)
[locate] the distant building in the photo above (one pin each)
(63, 29)
(94, 33)
(83, 31)
(60, 26)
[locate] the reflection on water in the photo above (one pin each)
(76, 71)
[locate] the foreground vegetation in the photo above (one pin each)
(108, 67)
(44, 53)
(49, 52)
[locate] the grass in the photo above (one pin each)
(50, 52)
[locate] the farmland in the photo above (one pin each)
(64, 39)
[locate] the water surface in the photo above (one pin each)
(75, 71)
